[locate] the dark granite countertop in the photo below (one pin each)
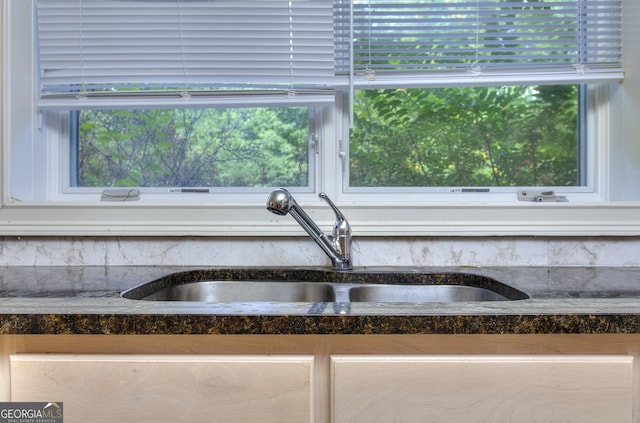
(87, 300)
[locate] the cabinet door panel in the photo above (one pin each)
(470, 389)
(168, 388)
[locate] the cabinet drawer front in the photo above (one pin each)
(469, 389)
(168, 388)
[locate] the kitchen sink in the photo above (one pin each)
(422, 294)
(246, 291)
(322, 286)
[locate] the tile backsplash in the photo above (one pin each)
(301, 251)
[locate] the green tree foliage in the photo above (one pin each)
(245, 147)
(506, 136)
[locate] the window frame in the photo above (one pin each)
(615, 211)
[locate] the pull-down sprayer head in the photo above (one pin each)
(280, 202)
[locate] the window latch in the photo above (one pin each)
(540, 196)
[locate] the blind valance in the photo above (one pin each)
(174, 52)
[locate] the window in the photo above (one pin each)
(451, 137)
(409, 109)
(467, 94)
(184, 94)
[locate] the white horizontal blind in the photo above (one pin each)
(175, 52)
(473, 42)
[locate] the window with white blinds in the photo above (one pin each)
(136, 53)
(476, 42)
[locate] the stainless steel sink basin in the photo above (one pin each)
(322, 286)
(422, 294)
(245, 291)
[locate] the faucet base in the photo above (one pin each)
(342, 265)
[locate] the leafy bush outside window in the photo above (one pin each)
(245, 147)
(513, 136)
(449, 137)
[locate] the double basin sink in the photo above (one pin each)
(322, 286)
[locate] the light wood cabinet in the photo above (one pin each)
(468, 389)
(327, 378)
(168, 388)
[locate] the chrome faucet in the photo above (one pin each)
(338, 248)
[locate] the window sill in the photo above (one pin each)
(130, 219)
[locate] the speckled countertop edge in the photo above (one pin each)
(563, 301)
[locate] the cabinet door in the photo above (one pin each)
(168, 388)
(494, 389)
